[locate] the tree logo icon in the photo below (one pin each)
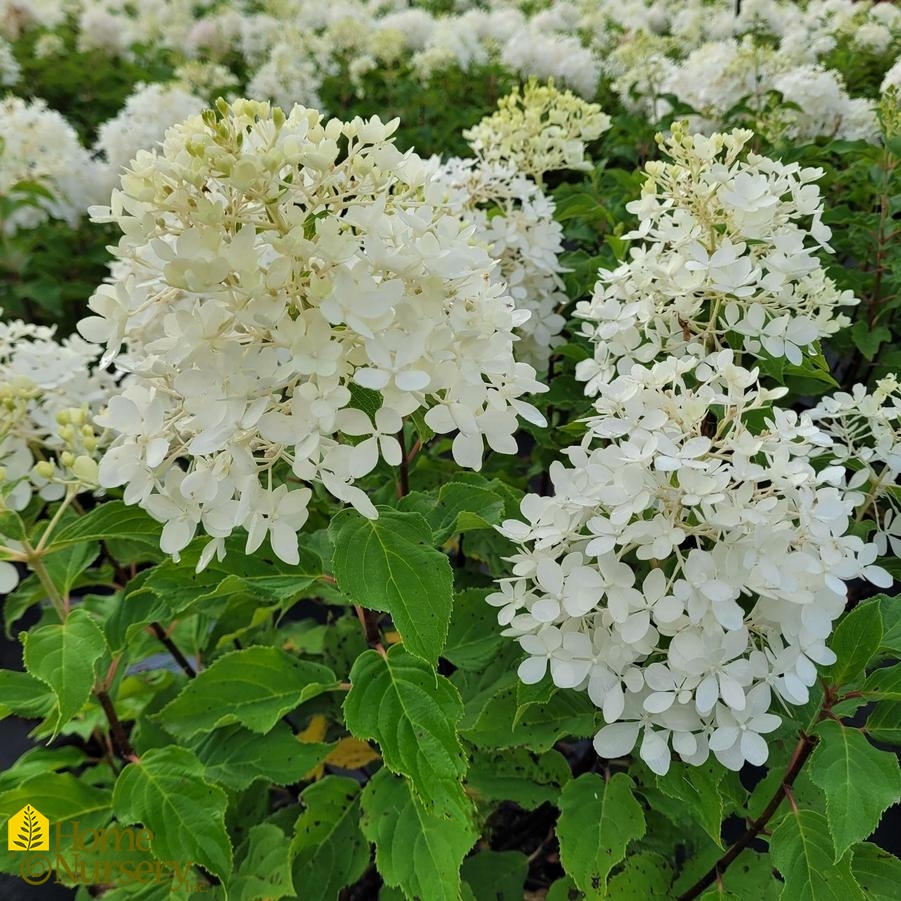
(29, 830)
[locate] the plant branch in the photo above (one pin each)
(34, 561)
(802, 751)
(369, 620)
(163, 638)
(403, 482)
(126, 751)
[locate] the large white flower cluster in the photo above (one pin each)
(269, 265)
(695, 552)
(687, 564)
(38, 145)
(728, 240)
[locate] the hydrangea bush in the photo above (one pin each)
(476, 475)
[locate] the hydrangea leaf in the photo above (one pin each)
(390, 564)
(855, 640)
(166, 792)
(473, 639)
(328, 848)
(878, 872)
(458, 507)
(63, 656)
(23, 695)
(803, 851)
(112, 519)
(62, 798)
(501, 723)
(496, 875)
(644, 875)
(416, 849)
(236, 757)
(854, 805)
(264, 871)
(170, 589)
(598, 819)
(254, 687)
(699, 788)
(400, 702)
(518, 775)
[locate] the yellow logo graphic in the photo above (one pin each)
(29, 830)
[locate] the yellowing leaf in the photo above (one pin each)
(393, 638)
(351, 754)
(314, 733)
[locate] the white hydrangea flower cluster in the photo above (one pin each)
(532, 51)
(743, 547)
(49, 444)
(538, 130)
(688, 569)
(39, 145)
(727, 248)
(268, 265)
(866, 430)
(823, 107)
(141, 124)
(294, 69)
(514, 219)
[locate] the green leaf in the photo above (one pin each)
(883, 684)
(458, 507)
(564, 890)
(254, 687)
(502, 724)
(62, 798)
(412, 713)
(698, 787)
(884, 723)
(38, 761)
(416, 849)
(597, 821)
(236, 757)
(389, 564)
(527, 778)
(171, 589)
(63, 656)
(166, 792)
(877, 872)
(264, 869)
(23, 695)
(855, 641)
(644, 875)
(12, 526)
(473, 638)
(328, 849)
(890, 607)
(66, 565)
(112, 519)
(868, 338)
(496, 875)
(854, 805)
(802, 850)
